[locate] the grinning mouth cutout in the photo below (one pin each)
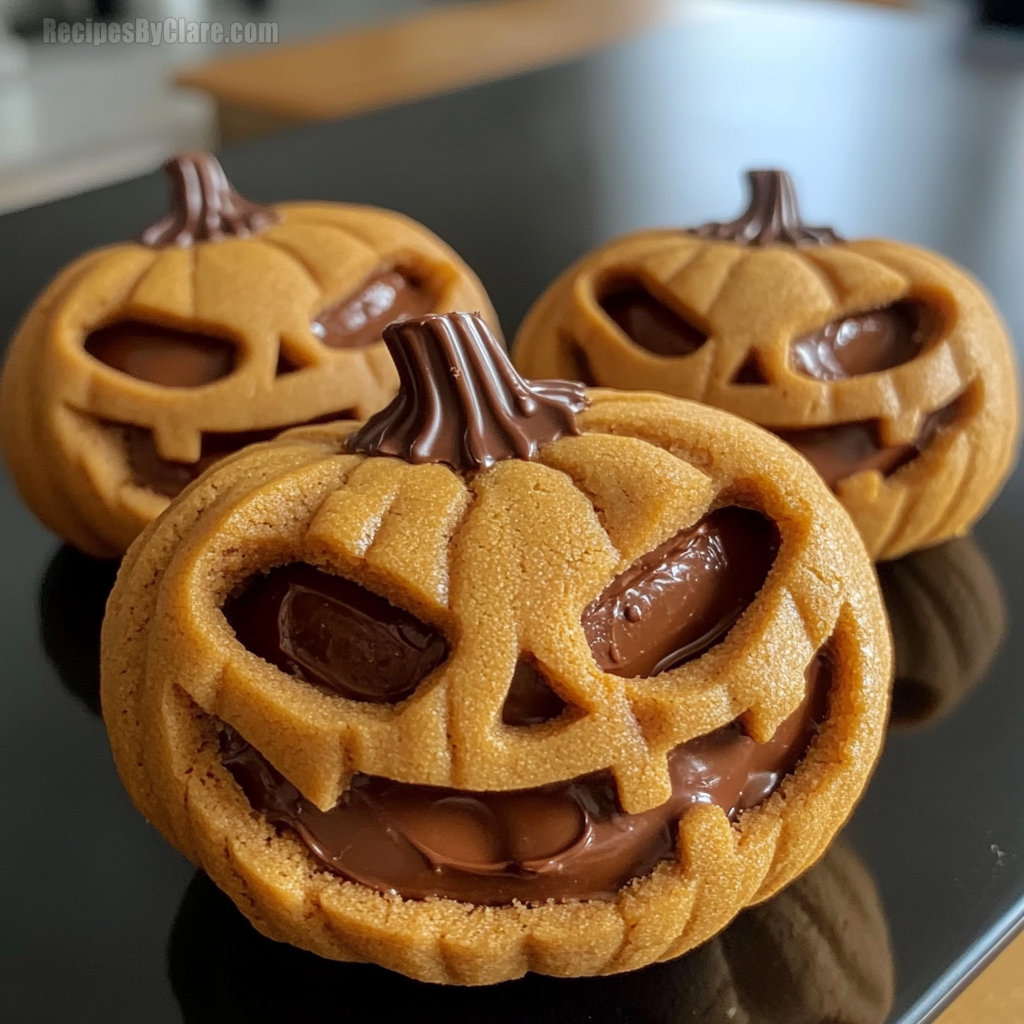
(150, 470)
(842, 450)
(565, 841)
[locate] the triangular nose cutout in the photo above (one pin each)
(750, 372)
(530, 700)
(285, 365)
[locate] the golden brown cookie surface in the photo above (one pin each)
(144, 363)
(885, 364)
(507, 559)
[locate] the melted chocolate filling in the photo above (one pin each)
(334, 633)
(162, 355)
(648, 322)
(677, 601)
(150, 469)
(385, 297)
(569, 840)
(855, 345)
(844, 449)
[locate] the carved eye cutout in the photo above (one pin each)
(162, 355)
(866, 343)
(647, 321)
(531, 699)
(335, 634)
(387, 296)
(680, 599)
(844, 449)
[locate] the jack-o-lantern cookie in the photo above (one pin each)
(884, 364)
(509, 678)
(142, 364)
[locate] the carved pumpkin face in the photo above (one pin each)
(499, 649)
(884, 364)
(142, 364)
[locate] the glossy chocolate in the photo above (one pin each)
(151, 470)
(204, 206)
(649, 323)
(841, 450)
(162, 355)
(358, 321)
(569, 840)
(855, 345)
(334, 633)
(772, 218)
(674, 603)
(461, 402)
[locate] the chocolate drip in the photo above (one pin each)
(334, 633)
(382, 299)
(772, 218)
(461, 402)
(676, 602)
(569, 840)
(204, 206)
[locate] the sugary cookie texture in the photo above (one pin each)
(884, 364)
(512, 677)
(143, 363)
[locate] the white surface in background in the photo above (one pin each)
(81, 116)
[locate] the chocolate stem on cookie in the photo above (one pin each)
(773, 217)
(204, 206)
(461, 402)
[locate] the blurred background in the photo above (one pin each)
(76, 115)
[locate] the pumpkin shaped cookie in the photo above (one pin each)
(509, 678)
(884, 364)
(142, 364)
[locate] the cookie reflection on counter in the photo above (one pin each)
(72, 597)
(818, 952)
(948, 619)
